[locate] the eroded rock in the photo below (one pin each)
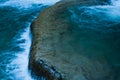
(53, 55)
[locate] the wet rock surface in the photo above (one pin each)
(53, 54)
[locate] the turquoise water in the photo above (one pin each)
(99, 27)
(96, 33)
(15, 41)
(98, 30)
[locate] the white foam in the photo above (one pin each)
(112, 11)
(21, 60)
(115, 10)
(28, 3)
(115, 2)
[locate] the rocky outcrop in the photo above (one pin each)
(53, 54)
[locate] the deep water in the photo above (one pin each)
(99, 27)
(15, 40)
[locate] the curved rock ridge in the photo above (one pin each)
(52, 53)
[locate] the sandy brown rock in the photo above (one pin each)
(52, 53)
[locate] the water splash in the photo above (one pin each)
(93, 15)
(115, 2)
(20, 63)
(28, 3)
(112, 11)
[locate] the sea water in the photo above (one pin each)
(99, 27)
(15, 36)
(96, 31)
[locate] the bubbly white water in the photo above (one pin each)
(115, 11)
(109, 12)
(18, 67)
(21, 60)
(28, 3)
(112, 11)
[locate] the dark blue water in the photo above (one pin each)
(17, 15)
(15, 38)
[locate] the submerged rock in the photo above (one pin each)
(53, 54)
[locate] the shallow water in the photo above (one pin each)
(99, 27)
(96, 30)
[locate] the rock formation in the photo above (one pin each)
(53, 54)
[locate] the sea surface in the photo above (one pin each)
(98, 33)
(100, 24)
(15, 38)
